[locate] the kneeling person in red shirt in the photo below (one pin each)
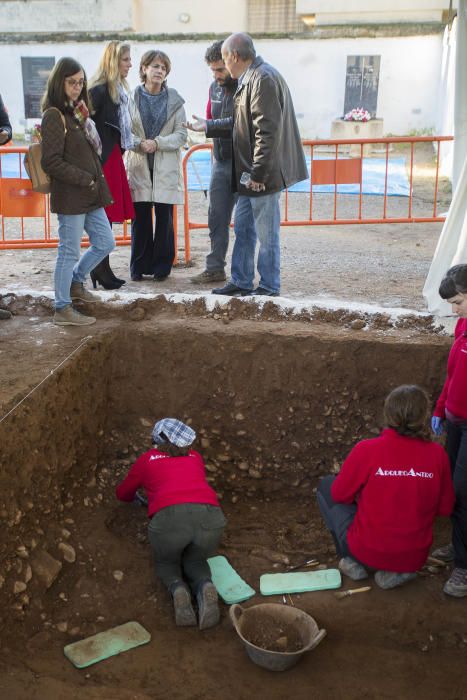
(381, 506)
(186, 523)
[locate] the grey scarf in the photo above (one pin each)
(126, 137)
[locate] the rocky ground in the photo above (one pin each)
(278, 392)
(75, 562)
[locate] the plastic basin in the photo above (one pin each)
(275, 636)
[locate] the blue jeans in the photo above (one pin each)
(221, 204)
(69, 267)
(257, 217)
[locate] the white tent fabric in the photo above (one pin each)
(445, 118)
(451, 249)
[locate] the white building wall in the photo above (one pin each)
(409, 90)
(363, 11)
(197, 16)
(65, 15)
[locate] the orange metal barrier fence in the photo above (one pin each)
(339, 169)
(20, 203)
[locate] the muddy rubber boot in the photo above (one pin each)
(183, 609)
(208, 606)
(445, 553)
(353, 569)
(391, 579)
(78, 292)
(68, 316)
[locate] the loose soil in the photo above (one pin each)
(268, 632)
(318, 388)
(278, 397)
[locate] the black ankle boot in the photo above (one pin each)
(103, 275)
(104, 282)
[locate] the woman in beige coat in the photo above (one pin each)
(154, 168)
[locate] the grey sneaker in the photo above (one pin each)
(208, 606)
(4, 314)
(207, 277)
(352, 569)
(68, 316)
(445, 553)
(391, 579)
(183, 609)
(78, 292)
(456, 585)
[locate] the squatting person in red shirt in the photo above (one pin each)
(186, 521)
(450, 414)
(381, 506)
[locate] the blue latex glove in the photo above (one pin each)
(437, 425)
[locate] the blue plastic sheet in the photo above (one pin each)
(199, 174)
(374, 169)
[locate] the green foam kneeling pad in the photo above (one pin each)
(230, 586)
(104, 644)
(299, 581)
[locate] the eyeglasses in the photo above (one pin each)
(75, 83)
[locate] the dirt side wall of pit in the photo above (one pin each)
(274, 405)
(50, 445)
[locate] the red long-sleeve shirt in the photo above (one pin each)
(167, 481)
(400, 485)
(453, 397)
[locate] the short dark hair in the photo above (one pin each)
(454, 282)
(55, 95)
(214, 52)
(406, 410)
(149, 57)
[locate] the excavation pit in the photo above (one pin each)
(276, 404)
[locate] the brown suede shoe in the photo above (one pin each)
(68, 316)
(207, 277)
(78, 292)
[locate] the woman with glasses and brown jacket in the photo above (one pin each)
(71, 150)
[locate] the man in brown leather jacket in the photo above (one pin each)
(267, 157)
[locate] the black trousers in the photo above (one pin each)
(337, 516)
(457, 452)
(152, 252)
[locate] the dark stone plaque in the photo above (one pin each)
(35, 72)
(361, 83)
